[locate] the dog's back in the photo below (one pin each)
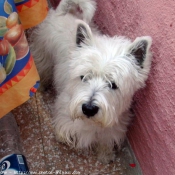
(83, 9)
(56, 36)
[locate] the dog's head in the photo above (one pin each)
(105, 72)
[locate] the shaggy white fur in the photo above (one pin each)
(95, 76)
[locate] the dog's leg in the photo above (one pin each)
(105, 153)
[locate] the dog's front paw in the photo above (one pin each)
(105, 154)
(60, 139)
(106, 158)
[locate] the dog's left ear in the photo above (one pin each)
(140, 49)
(84, 34)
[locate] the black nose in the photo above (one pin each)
(89, 110)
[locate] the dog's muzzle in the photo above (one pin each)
(89, 110)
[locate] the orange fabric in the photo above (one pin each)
(19, 92)
(32, 13)
(19, 79)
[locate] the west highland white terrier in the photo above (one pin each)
(95, 76)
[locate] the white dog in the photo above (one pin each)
(95, 76)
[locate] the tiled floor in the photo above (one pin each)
(44, 153)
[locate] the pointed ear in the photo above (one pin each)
(140, 49)
(84, 34)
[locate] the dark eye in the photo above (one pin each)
(81, 77)
(113, 86)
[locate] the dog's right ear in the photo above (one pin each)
(84, 34)
(140, 49)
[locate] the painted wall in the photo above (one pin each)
(152, 134)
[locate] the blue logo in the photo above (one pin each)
(4, 166)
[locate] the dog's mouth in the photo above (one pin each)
(91, 113)
(91, 121)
